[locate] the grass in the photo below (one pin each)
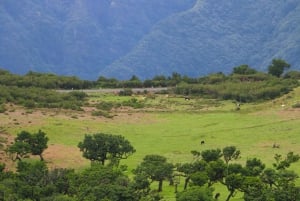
(173, 127)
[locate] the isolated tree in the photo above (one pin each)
(101, 147)
(26, 143)
(156, 168)
(277, 67)
(38, 143)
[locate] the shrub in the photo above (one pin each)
(102, 113)
(2, 108)
(296, 105)
(126, 92)
(107, 106)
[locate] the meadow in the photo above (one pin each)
(168, 125)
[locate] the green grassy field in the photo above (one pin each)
(172, 127)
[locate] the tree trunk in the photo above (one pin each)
(186, 183)
(160, 184)
(41, 157)
(230, 195)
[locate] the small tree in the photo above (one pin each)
(211, 155)
(26, 143)
(101, 147)
(156, 168)
(244, 70)
(277, 67)
(38, 143)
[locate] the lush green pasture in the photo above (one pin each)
(179, 126)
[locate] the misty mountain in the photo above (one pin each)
(121, 38)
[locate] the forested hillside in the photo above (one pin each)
(119, 38)
(216, 36)
(75, 37)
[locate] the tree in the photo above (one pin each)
(230, 153)
(189, 171)
(244, 70)
(277, 67)
(254, 167)
(38, 143)
(156, 168)
(26, 143)
(19, 150)
(101, 147)
(211, 155)
(99, 183)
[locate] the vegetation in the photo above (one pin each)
(244, 84)
(34, 181)
(101, 147)
(158, 154)
(26, 143)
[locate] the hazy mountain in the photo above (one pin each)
(216, 36)
(119, 38)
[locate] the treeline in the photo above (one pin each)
(43, 80)
(242, 73)
(33, 97)
(244, 84)
(242, 88)
(106, 178)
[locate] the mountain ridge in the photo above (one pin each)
(121, 38)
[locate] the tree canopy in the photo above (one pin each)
(100, 147)
(277, 67)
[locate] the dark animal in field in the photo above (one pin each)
(202, 142)
(187, 98)
(276, 146)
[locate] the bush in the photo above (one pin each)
(2, 108)
(107, 106)
(296, 105)
(102, 113)
(126, 92)
(134, 103)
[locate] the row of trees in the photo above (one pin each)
(106, 180)
(41, 98)
(52, 81)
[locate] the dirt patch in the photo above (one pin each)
(61, 156)
(291, 113)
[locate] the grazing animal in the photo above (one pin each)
(202, 142)
(276, 146)
(187, 98)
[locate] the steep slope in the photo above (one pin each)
(76, 37)
(216, 36)
(119, 38)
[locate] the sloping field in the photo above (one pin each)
(169, 126)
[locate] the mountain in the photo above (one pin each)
(121, 38)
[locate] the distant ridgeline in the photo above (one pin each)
(244, 84)
(118, 38)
